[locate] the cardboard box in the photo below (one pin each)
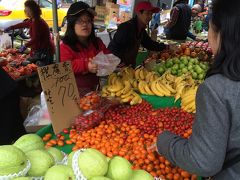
(101, 13)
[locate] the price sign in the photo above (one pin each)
(61, 94)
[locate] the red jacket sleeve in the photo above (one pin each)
(79, 65)
(25, 24)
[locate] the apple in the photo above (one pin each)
(59, 172)
(56, 153)
(12, 160)
(40, 161)
(29, 142)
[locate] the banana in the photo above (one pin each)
(119, 93)
(127, 87)
(149, 76)
(188, 99)
(104, 95)
(142, 74)
(179, 92)
(137, 73)
(170, 77)
(147, 89)
(116, 87)
(112, 94)
(141, 87)
(162, 89)
(155, 90)
(178, 79)
(104, 89)
(136, 99)
(168, 86)
(135, 84)
(111, 78)
(127, 99)
(127, 94)
(189, 107)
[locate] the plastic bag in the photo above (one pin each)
(5, 41)
(33, 116)
(107, 63)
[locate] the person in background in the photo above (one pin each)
(131, 34)
(80, 44)
(42, 48)
(213, 149)
(178, 26)
(10, 117)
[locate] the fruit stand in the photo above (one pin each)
(112, 140)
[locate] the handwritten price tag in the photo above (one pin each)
(61, 93)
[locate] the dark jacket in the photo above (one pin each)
(10, 117)
(215, 138)
(180, 30)
(126, 42)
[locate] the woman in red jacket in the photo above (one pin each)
(80, 45)
(41, 45)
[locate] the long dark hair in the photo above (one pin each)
(225, 19)
(180, 1)
(34, 7)
(70, 38)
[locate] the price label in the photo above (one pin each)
(61, 94)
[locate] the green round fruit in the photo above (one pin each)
(184, 70)
(141, 175)
(119, 169)
(40, 161)
(201, 76)
(92, 163)
(59, 172)
(194, 75)
(22, 178)
(56, 153)
(100, 178)
(29, 142)
(181, 66)
(173, 71)
(12, 160)
(175, 67)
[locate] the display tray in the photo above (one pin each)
(156, 101)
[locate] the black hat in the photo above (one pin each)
(78, 7)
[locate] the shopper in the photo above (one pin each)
(131, 34)
(10, 117)
(41, 45)
(214, 146)
(80, 45)
(178, 26)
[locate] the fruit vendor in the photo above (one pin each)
(42, 48)
(79, 45)
(180, 20)
(214, 147)
(11, 120)
(131, 34)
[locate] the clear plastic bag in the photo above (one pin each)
(5, 41)
(107, 63)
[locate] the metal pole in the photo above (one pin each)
(55, 31)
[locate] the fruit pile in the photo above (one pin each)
(128, 82)
(27, 158)
(129, 131)
(90, 101)
(198, 50)
(183, 65)
(11, 62)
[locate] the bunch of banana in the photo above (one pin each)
(188, 99)
(140, 73)
(127, 73)
(112, 78)
(151, 76)
(144, 88)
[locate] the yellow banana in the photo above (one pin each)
(135, 84)
(127, 94)
(141, 87)
(168, 86)
(142, 74)
(127, 87)
(170, 77)
(163, 89)
(136, 99)
(111, 78)
(116, 87)
(104, 89)
(137, 73)
(147, 89)
(155, 90)
(149, 76)
(179, 91)
(127, 99)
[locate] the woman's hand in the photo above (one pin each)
(92, 67)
